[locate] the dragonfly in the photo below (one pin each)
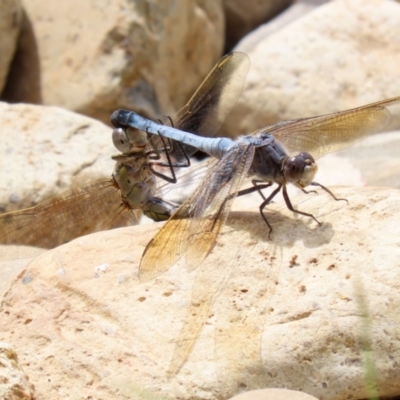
(266, 156)
(133, 187)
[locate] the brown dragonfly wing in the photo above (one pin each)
(165, 249)
(214, 200)
(332, 132)
(86, 209)
(209, 205)
(211, 103)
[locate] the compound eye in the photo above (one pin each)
(294, 168)
(120, 140)
(307, 157)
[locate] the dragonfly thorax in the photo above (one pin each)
(269, 156)
(300, 170)
(135, 181)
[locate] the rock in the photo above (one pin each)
(341, 55)
(14, 384)
(372, 162)
(290, 14)
(10, 269)
(144, 56)
(46, 150)
(273, 394)
(242, 17)
(10, 20)
(311, 310)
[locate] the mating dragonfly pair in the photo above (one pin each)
(193, 226)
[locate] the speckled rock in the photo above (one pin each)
(14, 384)
(96, 57)
(341, 55)
(46, 150)
(311, 310)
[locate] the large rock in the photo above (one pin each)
(14, 384)
(313, 309)
(145, 56)
(10, 20)
(47, 150)
(340, 55)
(290, 14)
(242, 17)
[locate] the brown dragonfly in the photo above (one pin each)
(133, 188)
(265, 156)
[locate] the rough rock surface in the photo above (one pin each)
(312, 310)
(341, 55)
(14, 384)
(46, 150)
(10, 20)
(141, 55)
(290, 14)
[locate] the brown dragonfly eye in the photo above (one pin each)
(300, 169)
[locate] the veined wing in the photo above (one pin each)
(188, 179)
(208, 206)
(212, 102)
(332, 132)
(86, 209)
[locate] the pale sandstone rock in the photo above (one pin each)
(293, 12)
(291, 312)
(273, 394)
(145, 56)
(341, 55)
(10, 20)
(14, 384)
(243, 16)
(374, 161)
(46, 150)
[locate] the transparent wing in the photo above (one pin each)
(209, 205)
(86, 209)
(211, 103)
(188, 179)
(213, 202)
(332, 132)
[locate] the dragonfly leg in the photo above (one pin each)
(155, 154)
(264, 204)
(309, 191)
(169, 163)
(260, 185)
(257, 187)
(328, 191)
(290, 207)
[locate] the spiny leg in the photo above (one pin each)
(169, 163)
(264, 204)
(328, 191)
(260, 185)
(290, 207)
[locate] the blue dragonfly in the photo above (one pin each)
(266, 156)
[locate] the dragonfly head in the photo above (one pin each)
(300, 170)
(129, 140)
